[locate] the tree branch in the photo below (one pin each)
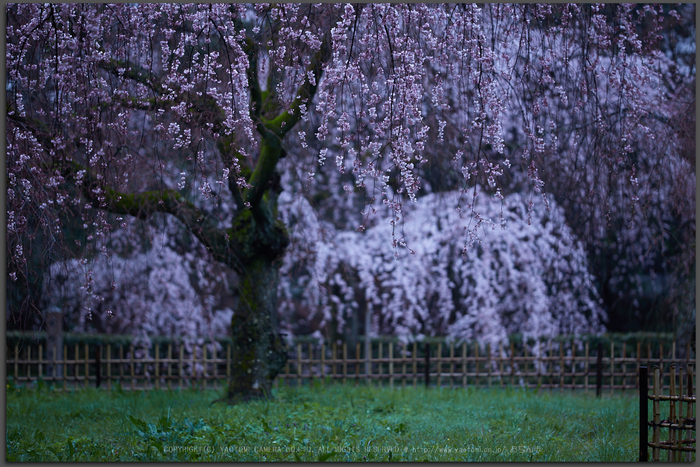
(284, 122)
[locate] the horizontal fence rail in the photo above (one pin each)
(551, 365)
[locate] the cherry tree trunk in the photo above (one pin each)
(259, 353)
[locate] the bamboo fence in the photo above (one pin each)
(677, 422)
(552, 365)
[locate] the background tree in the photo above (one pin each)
(126, 111)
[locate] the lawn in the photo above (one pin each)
(334, 423)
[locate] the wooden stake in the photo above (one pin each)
(180, 364)
(131, 358)
(299, 379)
(599, 371)
(98, 366)
(87, 371)
(415, 364)
(643, 415)
(403, 368)
(157, 364)
(357, 364)
(656, 438)
(391, 365)
(170, 357)
(561, 367)
(41, 350)
(345, 362)
(109, 367)
(452, 365)
(612, 367)
(672, 413)
(323, 365)
(488, 362)
(427, 365)
(689, 407)
(464, 364)
(585, 378)
(311, 363)
(439, 364)
(379, 365)
(512, 364)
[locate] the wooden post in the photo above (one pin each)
(180, 363)
(379, 365)
(391, 365)
(539, 371)
(415, 364)
(345, 362)
(403, 366)
(41, 351)
(476, 364)
(639, 348)
(368, 362)
(656, 438)
(109, 367)
(357, 364)
(299, 379)
(87, 362)
(612, 367)
(427, 365)
(500, 362)
(464, 364)
(452, 364)
(193, 365)
(561, 367)
(689, 407)
(624, 366)
(121, 363)
(661, 365)
(65, 366)
(549, 366)
(205, 375)
(323, 364)
(17, 362)
(98, 366)
(643, 415)
(311, 363)
(439, 364)
(512, 363)
(585, 377)
(488, 362)
(157, 369)
(334, 353)
(672, 412)
(599, 371)
(679, 434)
(170, 357)
(131, 355)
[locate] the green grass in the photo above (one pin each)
(308, 424)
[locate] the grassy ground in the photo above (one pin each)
(309, 424)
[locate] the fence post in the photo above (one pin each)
(427, 365)
(689, 406)
(98, 366)
(643, 414)
(599, 371)
(656, 437)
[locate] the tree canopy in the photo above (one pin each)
(209, 113)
